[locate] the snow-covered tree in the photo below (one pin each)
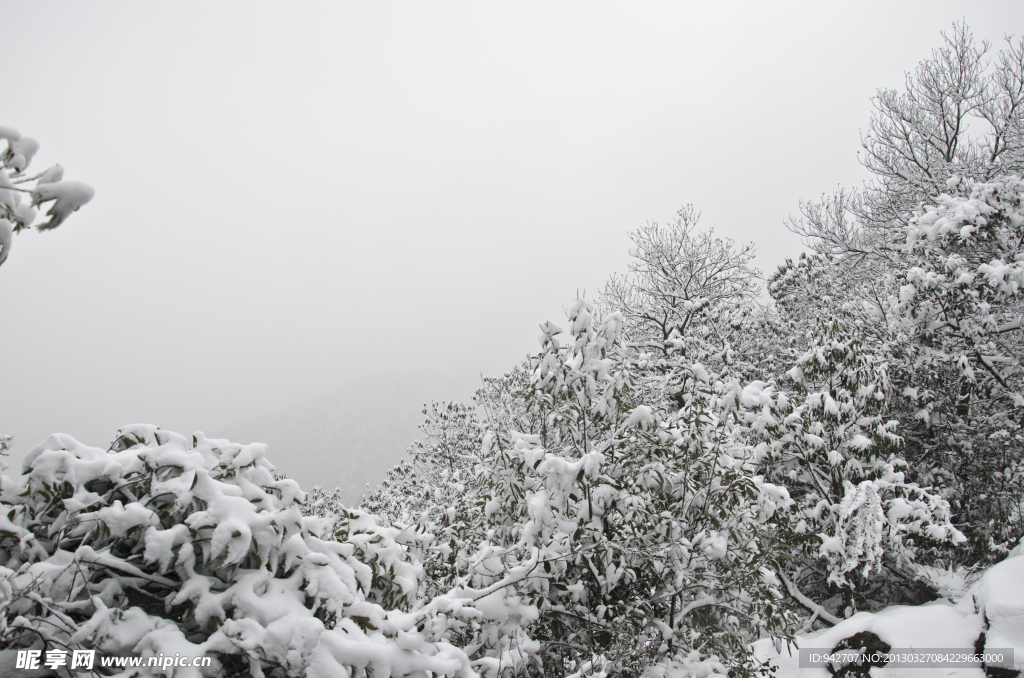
(959, 114)
(959, 312)
(946, 318)
(688, 295)
(438, 471)
(434, 491)
(857, 519)
(161, 545)
(635, 532)
(48, 186)
(945, 150)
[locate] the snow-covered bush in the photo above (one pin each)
(45, 187)
(657, 511)
(857, 517)
(945, 317)
(630, 534)
(435, 492)
(960, 313)
(635, 533)
(165, 545)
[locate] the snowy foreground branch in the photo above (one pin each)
(818, 610)
(157, 546)
(45, 187)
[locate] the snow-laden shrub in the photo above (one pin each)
(433, 491)
(943, 325)
(165, 545)
(616, 534)
(627, 531)
(959, 311)
(858, 521)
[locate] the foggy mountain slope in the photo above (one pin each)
(352, 436)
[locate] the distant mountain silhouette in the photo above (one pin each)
(352, 436)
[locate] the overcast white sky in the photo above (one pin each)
(291, 196)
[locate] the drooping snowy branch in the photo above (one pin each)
(21, 194)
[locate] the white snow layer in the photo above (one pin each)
(68, 196)
(993, 606)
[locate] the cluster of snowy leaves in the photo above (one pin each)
(48, 186)
(159, 546)
(813, 288)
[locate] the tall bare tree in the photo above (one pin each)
(959, 117)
